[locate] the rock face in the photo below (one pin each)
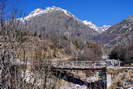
(118, 33)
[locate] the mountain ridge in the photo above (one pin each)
(38, 12)
(117, 32)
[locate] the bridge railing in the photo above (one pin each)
(78, 64)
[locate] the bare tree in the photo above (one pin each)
(9, 72)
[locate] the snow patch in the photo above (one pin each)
(96, 28)
(34, 13)
(103, 28)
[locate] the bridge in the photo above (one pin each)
(73, 64)
(84, 65)
(78, 65)
(70, 71)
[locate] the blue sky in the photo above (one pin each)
(100, 12)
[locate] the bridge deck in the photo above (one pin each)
(78, 65)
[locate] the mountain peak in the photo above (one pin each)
(53, 9)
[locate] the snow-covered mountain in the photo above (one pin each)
(56, 10)
(55, 20)
(93, 26)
